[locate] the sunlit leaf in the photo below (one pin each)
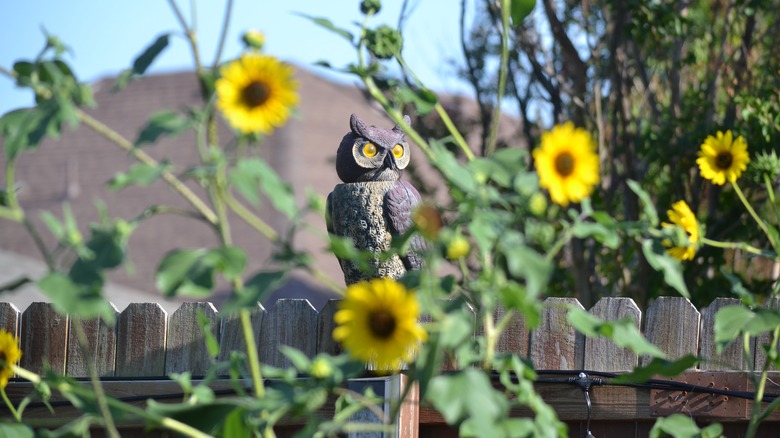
(327, 24)
(622, 332)
(520, 9)
(253, 176)
(162, 123)
(657, 367)
(140, 174)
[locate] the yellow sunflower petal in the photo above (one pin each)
(377, 323)
(567, 163)
(723, 158)
(256, 93)
(681, 215)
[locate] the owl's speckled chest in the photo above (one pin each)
(357, 212)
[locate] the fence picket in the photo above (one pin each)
(764, 340)
(292, 322)
(601, 353)
(233, 333)
(673, 326)
(10, 317)
(733, 357)
(555, 345)
(326, 344)
(186, 349)
(515, 338)
(141, 341)
(101, 339)
(44, 336)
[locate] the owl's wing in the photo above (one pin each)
(399, 205)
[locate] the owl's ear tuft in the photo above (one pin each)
(407, 120)
(357, 126)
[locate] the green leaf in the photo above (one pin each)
(456, 173)
(683, 426)
(734, 320)
(647, 203)
(207, 417)
(467, 394)
(520, 9)
(140, 174)
(661, 261)
(160, 124)
(212, 345)
(16, 430)
(622, 332)
(327, 24)
(235, 424)
(191, 272)
(143, 61)
(524, 262)
(657, 367)
(257, 289)
(423, 99)
(298, 359)
(603, 234)
(68, 297)
(252, 174)
(25, 128)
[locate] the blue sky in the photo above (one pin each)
(105, 36)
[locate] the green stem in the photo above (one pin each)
(757, 415)
(502, 71)
(752, 212)
(491, 338)
(100, 395)
(36, 236)
(223, 34)
(10, 406)
(456, 135)
(251, 219)
(251, 352)
(26, 374)
(558, 245)
(732, 245)
(143, 157)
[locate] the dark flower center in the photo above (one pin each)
(723, 160)
(382, 324)
(564, 164)
(255, 94)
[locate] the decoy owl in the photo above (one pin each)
(374, 204)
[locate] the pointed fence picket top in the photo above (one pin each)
(101, 339)
(733, 357)
(186, 349)
(555, 345)
(601, 353)
(233, 333)
(326, 325)
(292, 322)
(44, 338)
(10, 317)
(672, 325)
(140, 346)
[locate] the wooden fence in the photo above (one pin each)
(146, 343)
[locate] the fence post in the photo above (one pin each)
(186, 348)
(733, 357)
(233, 333)
(292, 322)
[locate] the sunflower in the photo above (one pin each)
(256, 93)
(723, 158)
(567, 163)
(377, 323)
(10, 354)
(682, 216)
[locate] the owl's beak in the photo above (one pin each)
(389, 163)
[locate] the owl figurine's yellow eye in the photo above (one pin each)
(369, 150)
(398, 151)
